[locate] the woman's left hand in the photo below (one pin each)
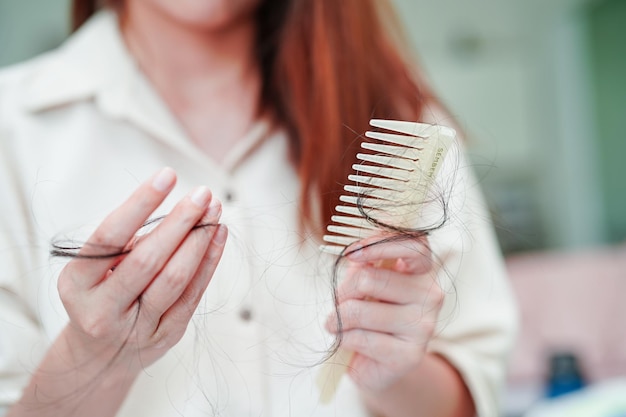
(389, 304)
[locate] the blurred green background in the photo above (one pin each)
(539, 86)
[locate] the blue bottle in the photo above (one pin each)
(564, 376)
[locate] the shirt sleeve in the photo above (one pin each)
(21, 346)
(478, 321)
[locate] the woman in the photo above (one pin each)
(259, 101)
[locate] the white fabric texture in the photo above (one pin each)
(80, 127)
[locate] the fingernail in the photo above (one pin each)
(164, 180)
(215, 208)
(201, 196)
(401, 265)
(221, 234)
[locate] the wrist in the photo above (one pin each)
(105, 361)
(72, 380)
(433, 388)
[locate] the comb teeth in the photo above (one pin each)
(369, 192)
(387, 160)
(396, 174)
(397, 151)
(341, 240)
(402, 140)
(351, 231)
(360, 201)
(377, 182)
(356, 211)
(360, 222)
(390, 182)
(413, 129)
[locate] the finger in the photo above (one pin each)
(386, 285)
(384, 348)
(182, 310)
(118, 228)
(145, 261)
(170, 283)
(414, 254)
(407, 321)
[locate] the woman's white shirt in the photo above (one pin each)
(81, 127)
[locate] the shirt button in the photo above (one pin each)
(245, 314)
(229, 196)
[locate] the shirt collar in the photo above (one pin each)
(94, 64)
(92, 61)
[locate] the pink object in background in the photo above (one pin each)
(573, 302)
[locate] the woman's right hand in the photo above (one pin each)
(129, 310)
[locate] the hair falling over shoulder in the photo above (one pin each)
(328, 67)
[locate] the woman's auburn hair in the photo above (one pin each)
(328, 67)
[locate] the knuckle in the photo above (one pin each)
(188, 298)
(362, 340)
(357, 340)
(383, 348)
(185, 308)
(175, 279)
(428, 328)
(422, 332)
(66, 290)
(410, 327)
(103, 238)
(149, 312)
(420, 324)
(96, 327)
(350, 310)
(414, 313)
(430, 293)
(437, 295)
(167, 335)
(417, 323)
(366, 284)
(421, 264)
(144, 262)
(188, 213)
(192, 297)
(160, 337)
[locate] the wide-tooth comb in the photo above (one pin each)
(390, 185)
